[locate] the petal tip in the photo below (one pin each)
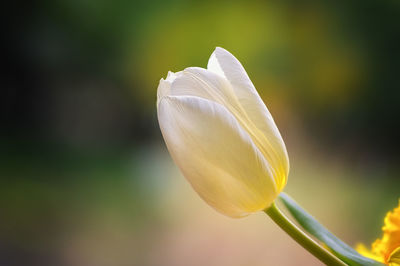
(220, 50)
(163, 90)
(171, 76)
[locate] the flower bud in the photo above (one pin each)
(222, 136)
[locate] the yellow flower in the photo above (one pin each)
(222, 136)
(387, 248)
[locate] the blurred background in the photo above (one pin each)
(85, 175)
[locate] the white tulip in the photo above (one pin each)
(222, 136)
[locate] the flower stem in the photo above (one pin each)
(300, 237)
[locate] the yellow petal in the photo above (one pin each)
(363, 250)
(216, 155)
(386, 248)
(392, 221)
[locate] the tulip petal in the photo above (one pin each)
(216, 155)
(196, 81)
(164, 87)
(200, 82)
(224, 63)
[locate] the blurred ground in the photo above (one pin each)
(138, 210)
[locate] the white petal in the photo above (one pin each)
(172, 76)
(224, 63)
(164, 87)
(200, 82)
(216, 155)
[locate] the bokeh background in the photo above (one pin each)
(85, 175)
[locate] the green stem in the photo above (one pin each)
(300, 237)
